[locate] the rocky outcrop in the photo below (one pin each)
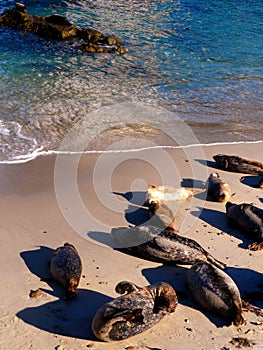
(57, 27)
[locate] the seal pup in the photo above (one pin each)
(161, 245)
(214, 290)
(159, 194)
(136, 310)
(217, 188)
(161, 215)
(249, 219)
(66, 268)
(238, 164)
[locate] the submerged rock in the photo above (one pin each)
(57, 27)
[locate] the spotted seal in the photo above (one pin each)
(136, 310)
(239, 164)
(161, 245)
(214, 290)
(217, 188)
(249, 219)
(66, 268)
(161, 215)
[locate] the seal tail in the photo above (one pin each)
(216, 262)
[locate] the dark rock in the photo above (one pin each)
(57, 27)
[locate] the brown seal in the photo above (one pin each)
(161, 245)
(214, 290)
(136, 310)
(239, 164)
(217, 188)
(249, 219)
(66, 268)
(161, 215)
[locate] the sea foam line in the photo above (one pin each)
(39, 151)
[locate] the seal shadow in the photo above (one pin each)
(251, 180)
(136, 215)
(207, 163)
(68, 318)
(218, 220)
(136, 197)
(248, 281)
(175, 276)
(261, 200)
(192, 183)
(101, 237)
(38, 263)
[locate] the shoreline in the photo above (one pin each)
(39, 153)
(37, 218)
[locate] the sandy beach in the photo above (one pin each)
(102, 192)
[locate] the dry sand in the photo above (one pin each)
(34, 222)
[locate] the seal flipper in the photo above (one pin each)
(216, 262)
(256, 246)
(236, 313)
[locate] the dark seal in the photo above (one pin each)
(161, 215)
(238, 164)
(161, 245)
(249, 219)
(217, 188)
(136, 310)
(66, 268)
(214, 290)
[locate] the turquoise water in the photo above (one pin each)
(201, 60)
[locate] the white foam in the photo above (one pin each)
(40, 152)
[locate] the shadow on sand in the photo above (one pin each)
(251, 180)
(68, 318)
(38, 262)
(208, 163)
(218, 220)
(136, 197)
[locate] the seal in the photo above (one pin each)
(214, 290)
(162, 215)
(217, 188)
(238, 164)
(137, 309)
(161, 245)
(159, 194)
(66, 268)
(249, 219)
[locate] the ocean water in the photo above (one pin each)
(201, 61)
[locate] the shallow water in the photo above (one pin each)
(201, 61)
